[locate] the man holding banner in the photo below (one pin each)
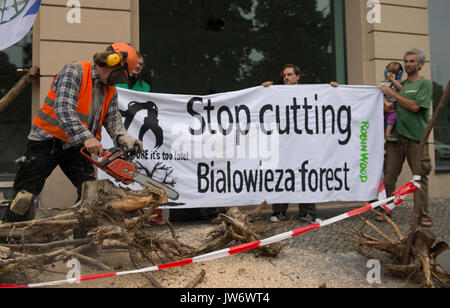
(413, 115)
(291, 74)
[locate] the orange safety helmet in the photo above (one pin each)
(127, 55)
(122, 54)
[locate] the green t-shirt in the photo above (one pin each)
(145, 87)
(413, 124)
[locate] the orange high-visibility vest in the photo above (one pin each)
(46, 118)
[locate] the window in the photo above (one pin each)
(440, 66)
(209, 46)
(15, 120)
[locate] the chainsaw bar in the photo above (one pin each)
(117, 163)
(149, 182)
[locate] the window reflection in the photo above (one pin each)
(207, 46)
(15, 120)
(440, 66)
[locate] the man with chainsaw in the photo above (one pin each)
(82, 99)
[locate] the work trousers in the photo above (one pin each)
(42, 157)
(396, 153)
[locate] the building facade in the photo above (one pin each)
(238, 44)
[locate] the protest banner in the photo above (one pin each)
(282, 144)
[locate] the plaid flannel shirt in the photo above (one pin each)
(67, 85)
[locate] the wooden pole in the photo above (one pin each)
(416, 211)
(12, 94)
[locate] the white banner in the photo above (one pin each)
(282, 144)
(16, 19)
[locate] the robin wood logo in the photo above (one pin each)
(11, 9)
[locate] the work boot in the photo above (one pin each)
(21, 203)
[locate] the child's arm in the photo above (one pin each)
(397, 84)
(394, 81)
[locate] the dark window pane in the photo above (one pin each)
(440, 66)
(208, 46)
(15, 120)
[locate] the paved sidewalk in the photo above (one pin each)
(329, 252)
(332, 238)
(324, 255)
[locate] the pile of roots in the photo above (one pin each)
(111, 217)
(237, 227)
(423, 267)
(105, 213)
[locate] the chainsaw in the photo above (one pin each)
(118, 163)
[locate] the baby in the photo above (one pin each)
(392, 76)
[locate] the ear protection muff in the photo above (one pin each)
(122, 58)
(399, 74)
(116, 58)
(113, 59)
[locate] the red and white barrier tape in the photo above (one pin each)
(387, 204)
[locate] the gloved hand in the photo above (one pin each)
(129, 142)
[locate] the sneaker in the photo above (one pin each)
(21, 203)
(311, 218)
(277, 216)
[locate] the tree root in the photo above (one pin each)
(104, 213)
(110, 217)
(422, 268)
(240, 227)
(198, 279)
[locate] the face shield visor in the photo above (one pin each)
(117, 76)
